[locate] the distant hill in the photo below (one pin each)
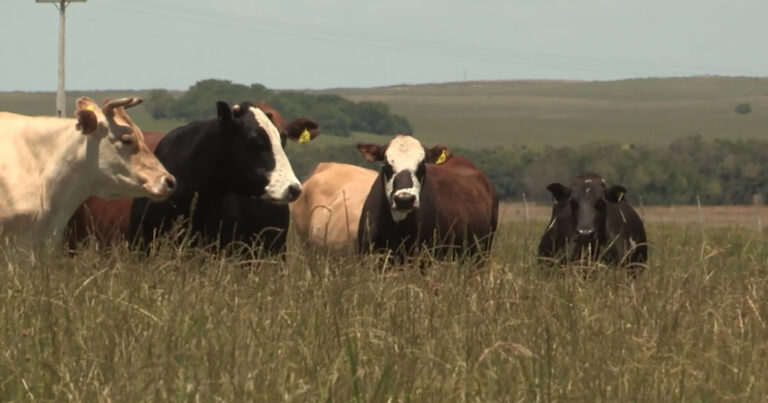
(44, 103)
(539, 112)
(534, 113)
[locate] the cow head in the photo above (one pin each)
(124, 166)
(584, 205)
(404, 170)
(254, 161)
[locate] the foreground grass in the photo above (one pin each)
(112, 325)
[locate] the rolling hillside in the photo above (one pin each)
(537, 113)
(533, 113)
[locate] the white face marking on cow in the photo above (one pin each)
(282, 176)
(404, 154)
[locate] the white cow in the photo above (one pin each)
(49, 166)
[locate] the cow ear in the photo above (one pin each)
(438, 154)
(223, 112)
(559, 191)
(371, 152)
(87, 119)
(615, 194)
(302, 130)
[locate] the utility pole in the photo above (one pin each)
(61, 99)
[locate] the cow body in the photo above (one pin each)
(328, 212)
(51, 165)
(234, 180)
(427, 198)
(590, 220)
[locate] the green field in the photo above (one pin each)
(44, 103)
(184, 325)
(535, 113)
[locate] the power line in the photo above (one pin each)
(411, 45)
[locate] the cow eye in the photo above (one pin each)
(420, 170)
(127, 140)
(574, 204)
(387, 169)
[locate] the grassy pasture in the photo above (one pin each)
(187, 325)
(538, 113)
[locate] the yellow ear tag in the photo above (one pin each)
(441, 158)
(90, 108)
(621, 196)
(304, 136)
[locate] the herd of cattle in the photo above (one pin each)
(227, 181)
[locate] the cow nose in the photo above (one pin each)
(170, 182)
(404, 201)
(294, 191)
(585, 231)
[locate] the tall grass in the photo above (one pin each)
(184, 324)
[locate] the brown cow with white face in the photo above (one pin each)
(426, 197)
(328, 211)
(51, 165)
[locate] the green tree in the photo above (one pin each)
(743, 109)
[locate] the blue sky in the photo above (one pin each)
(122, 44)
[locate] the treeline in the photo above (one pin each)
(718, 171)
(339, 116)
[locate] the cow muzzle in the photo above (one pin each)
(585, 234)
(403, 201)
(289, 194)
(161, 188)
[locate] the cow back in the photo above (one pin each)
(625, 233)
(328, 212)
(463, 202)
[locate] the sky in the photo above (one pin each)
(316, 44)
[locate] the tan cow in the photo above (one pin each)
(49, 166)
(328, 211)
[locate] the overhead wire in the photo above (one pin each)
(311, 32)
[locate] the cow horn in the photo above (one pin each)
(124, 102)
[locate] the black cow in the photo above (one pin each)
(426, 197)
(591, 220)
(235, 180)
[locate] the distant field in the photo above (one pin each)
(537, 113)
(748, 217)
(534, 113)
(44, 103)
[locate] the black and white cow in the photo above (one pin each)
(592, 220)
(426, 197)
(234, 178)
